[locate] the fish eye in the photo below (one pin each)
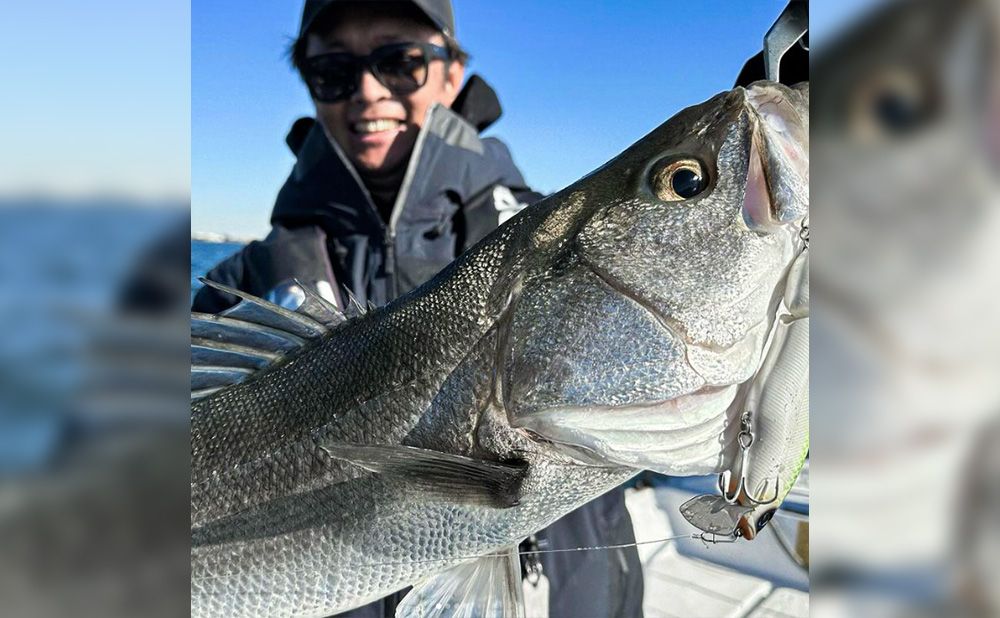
(891, 105)
(679, 179)
(766, 517)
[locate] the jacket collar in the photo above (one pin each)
(446, 151)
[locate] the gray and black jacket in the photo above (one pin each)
(457, 189)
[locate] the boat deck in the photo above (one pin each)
(689, 579)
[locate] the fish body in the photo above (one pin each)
(609, 328)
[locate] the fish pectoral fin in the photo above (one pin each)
(489, 587)
(437, 474)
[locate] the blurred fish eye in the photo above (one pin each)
(678, 179)
(891, 105)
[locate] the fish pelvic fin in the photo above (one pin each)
(437, 474)
(489, 587)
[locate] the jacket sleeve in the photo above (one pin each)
(228, 272)
(497, 201)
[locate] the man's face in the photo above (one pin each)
(375, 127)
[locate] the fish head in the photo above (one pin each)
(635, 332)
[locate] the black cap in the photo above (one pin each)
(438, 11)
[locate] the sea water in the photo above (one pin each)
(205, 255)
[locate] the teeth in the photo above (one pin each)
(374, 126)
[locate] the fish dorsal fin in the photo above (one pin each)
(354, 306)
(251, 335)
(205, 352)
(489, 587)
(259, 311)
(319, 308)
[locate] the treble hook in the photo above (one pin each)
(745, 439)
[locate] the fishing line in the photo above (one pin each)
(536, 551)
(599, 547)
(503, 555)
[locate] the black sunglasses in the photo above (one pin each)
(400, 67)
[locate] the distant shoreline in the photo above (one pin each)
(215, 237)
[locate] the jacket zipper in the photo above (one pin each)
(389, 232)
(390, 262)
(397, 207)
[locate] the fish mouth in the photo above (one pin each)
(778, 171)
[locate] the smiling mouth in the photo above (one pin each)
(381, 125)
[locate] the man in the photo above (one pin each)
(393, 182)
(358, 209)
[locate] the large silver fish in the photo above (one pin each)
(618, 325)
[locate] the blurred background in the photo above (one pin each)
(95, 138)
(904, 350)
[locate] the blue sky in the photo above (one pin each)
(96, 97)
(579, 81)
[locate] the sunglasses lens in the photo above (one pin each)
(402, 70)
(332, 77)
